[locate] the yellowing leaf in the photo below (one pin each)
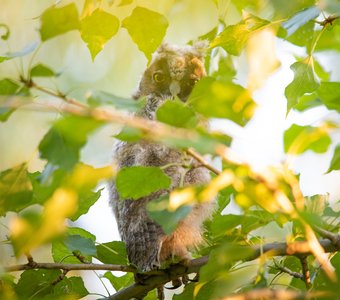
(262, 58)
(85, 176)
(27, 233)
(146, 28)
(97, 29)
(298, 139)
(56, 21)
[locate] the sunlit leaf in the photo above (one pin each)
(329, 39)
(62, 253)
(137, 182)
(8, 87)
(177, 114)
(15, 189)
(62, 143)
(146, 28)
(112, 253)
(308, 101)
(90, 6)
(335, 162)
(300, 19)
(234, 37)
(41, 70)
(304, 82)
(213, 98)
(97, 29)
(119, 282)
(329, 93)
(125, 2)
(298, 139)
(56, 21)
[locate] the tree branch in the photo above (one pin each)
(161, 277)
(69, 267)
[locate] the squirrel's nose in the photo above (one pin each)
(174, 88)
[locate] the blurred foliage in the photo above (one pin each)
(40, 202)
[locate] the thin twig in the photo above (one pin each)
(279, 294)
(200, 159)
(69, 267)
(305, 272)
(333, 237)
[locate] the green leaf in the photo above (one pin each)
(73, 287)
(298, 139)
(129, 134)
(300, 19)
(335, 162)
(329, 93)
(234, 37)
(97, 98)
(10, 55)
(147, 29)
(56, 21)
(303, 36)
(4, 36)
(86, 199)
(159, 211)
(112, 253)
(62, 143)
(136, 182)
(308, 101)
(329, 39)
(45, 183)
(119, 282)
(15, 189)
(214, 98)
(304, 82)
(97, 29)
(8, 87)
(60, 251)
(37, 283)
(41, 70)
(222, 224)
(78, 243)
(176, 113)
(5, 113)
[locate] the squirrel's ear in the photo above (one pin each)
(163, 47)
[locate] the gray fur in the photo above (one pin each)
(147, 245)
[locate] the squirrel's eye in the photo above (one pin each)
(193, 81)
(158, 77)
